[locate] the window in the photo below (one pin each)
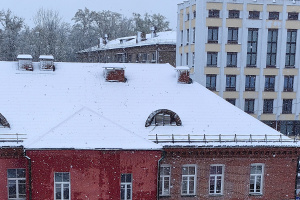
(212, 59)
(287, 106)
(214, 13)
(126, 186)
(187, 16)
(254, 14)
(290, 48)
(273, 15)
(181, 60)
(268, 106)
(193, 59)
(288, 83)
(163, 117)
(195, 14)
(153, 59)
(181, 38)
(250, 83)
(272, 47)
(137, 58)
(269, 83)
(233, 35)
(194, 35)
(216, 179)
(256, 178)
(293, 16)
(16, 180)
(188, 180)
(232, 101)
(187, 59)
(249, 105)
(144, 58)
(211, 80)
(62, 186)
(290, 128)
(213, 34)
(187, 36)
(165, 178)
(234, 14)
(230, 82)
(232, 59)
(252, 47)
(3, 121)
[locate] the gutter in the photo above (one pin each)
(158, 173)
(29, 175)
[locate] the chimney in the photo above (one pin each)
(183, 75)
(105, 41)
(139, 37)
(114, 73)
(153, 31)
(100, 42)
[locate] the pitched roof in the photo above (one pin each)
(60, 106)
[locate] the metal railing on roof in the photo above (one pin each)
(171, 138)
(12, 137)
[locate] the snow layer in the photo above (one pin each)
(74, 107)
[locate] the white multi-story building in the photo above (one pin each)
(246, 52)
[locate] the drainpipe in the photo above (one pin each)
(29, 175)
(158, 173)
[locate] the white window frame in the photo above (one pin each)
(17, 184)
(163, 178)
(255, 176)
(188, 177)
(62, 184)
(127, 185)
(216, 176)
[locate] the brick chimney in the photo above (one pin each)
(114, 73)
(183, 75)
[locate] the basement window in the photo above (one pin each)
(163, 117)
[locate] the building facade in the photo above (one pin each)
(144, 48)
(246, 52)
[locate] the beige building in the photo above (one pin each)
(245, 51)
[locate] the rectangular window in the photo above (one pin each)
(252, 47)
(287, 106)
(216, 179)
(193, 59)
(234, 14)
(232, 59)
(187, 36)
(230, 82)
(268, 106)
(269, 83)
(153, 59)
(189, 177)
(250, 83)
(165, 178)
(273, 15)
(272, 47)
(293, 16)
(62, 186)
(211, 80)
(213, 34)
(181, 59)
(233, 35)
(212, 59)
(232, 101)
(187, 16)
(194, 35)
(181, 38)
(126, 186)
(254, 14)
(214, 13)
(16, 180)
(187, 59)
(256, 178)
(290, 48)
(288, 83)
(249, 105)
(137, 58)
(289, 128)
(195, 14)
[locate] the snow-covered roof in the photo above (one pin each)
(74, 107)
(167, 37)
(47, 57)
(24, 56)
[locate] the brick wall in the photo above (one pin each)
(279, 171)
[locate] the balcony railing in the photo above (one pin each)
(12, 137)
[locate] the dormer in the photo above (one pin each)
(47, 63)
(114, 73)
(183, 75)
(25, 62)
(3, 122)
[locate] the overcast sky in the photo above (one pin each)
(67, 8)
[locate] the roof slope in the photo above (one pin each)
(35, 102)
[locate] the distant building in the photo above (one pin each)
(144, 48)
(246, 52)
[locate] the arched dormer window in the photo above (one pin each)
(3, 121)
(163, 117)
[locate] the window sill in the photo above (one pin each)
(255, 194)
(212, 42)
(287, 66)
(188, 195)
(215, 195)
(249, 90)
(251, 66)
(270, 66)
